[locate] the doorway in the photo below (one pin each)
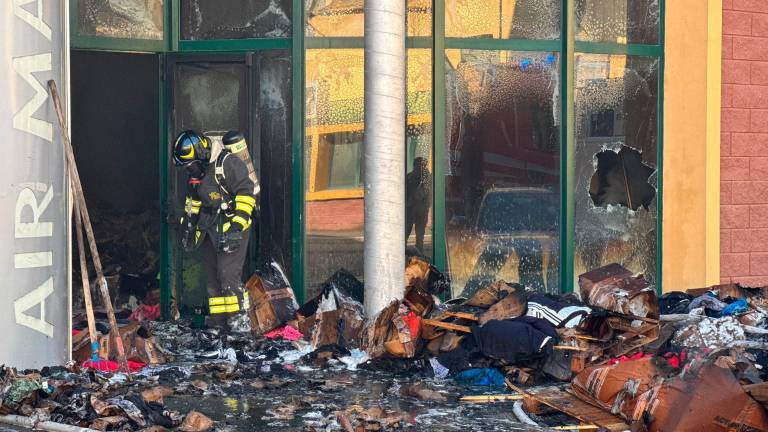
(115, 123)
(251, 93)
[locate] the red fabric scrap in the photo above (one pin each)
(145, 312)
(111, 366)
(286, 332)
(624, 358)
(414, 323)
(675, 360)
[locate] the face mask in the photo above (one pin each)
(196, 170)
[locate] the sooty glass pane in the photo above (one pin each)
(128, 19)
(419, 17)
(235, 19)
(210, 96)
(326, 18)
(616, 133)
(274, 119)
(503, 19)
(618, 21)
(503, 169)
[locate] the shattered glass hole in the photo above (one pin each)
(622, 178)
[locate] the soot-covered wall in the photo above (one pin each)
(115, 129)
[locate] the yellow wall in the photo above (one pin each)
(691, 231)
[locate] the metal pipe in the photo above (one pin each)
(385, 122)
(30, 423)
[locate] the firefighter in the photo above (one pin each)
(219, 208)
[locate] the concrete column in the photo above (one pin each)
(385, 121)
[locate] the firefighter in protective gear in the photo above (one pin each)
(219, 208)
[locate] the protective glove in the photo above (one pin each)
(191, 239)
(232, 240)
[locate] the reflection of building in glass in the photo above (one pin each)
(334, 152)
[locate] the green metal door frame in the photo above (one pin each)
(165, 211)
(297, 166)
(567, 167)
(440, 168)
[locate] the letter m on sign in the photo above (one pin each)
(23, 120)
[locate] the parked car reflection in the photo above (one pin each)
(512, 236)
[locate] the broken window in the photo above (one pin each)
(128, 19)
(615, 162)
(235, 19)
(622, 179)
(503, 174)
(618, 21)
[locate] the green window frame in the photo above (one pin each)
(566, 46)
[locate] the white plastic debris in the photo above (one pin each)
(710, 333)
(291, 357)
(440, 371)
(355, 358)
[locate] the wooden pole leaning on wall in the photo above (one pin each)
(77, 190)
(86, 286)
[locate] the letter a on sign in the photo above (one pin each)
(30, 300)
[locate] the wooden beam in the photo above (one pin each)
(449, 326)
(462, 315)
(570, 348)
(491, 398)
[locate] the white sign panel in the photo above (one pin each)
(33, 218)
